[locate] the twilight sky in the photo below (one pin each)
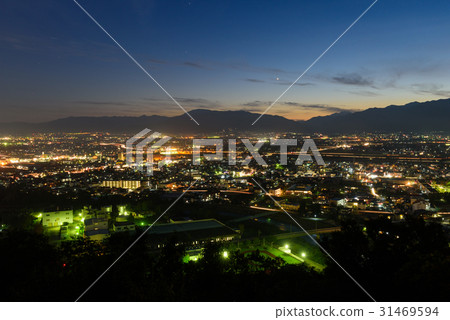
(221, 55)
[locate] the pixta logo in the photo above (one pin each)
(139, 151)
(253, 149)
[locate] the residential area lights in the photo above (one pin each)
(397, 186)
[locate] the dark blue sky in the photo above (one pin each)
(56, 62)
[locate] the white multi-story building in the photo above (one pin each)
(57, 218)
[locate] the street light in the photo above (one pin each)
(303, 255)
(225, 254)
(286, 246)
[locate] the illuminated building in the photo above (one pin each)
(190, 233)
(123, 184)
(124, 226)
(57, 218)
(96, 228)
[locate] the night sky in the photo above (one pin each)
(221, 55)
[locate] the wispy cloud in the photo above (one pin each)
(194, 65)
(214, 65)
(105, 103)
(149, 105)
(189, 102)
(279, 82)
(256, 103)
(425, 67)
(430, 88)
(354, 79)
(418, 66)
(320, 107)
(365, 93)
(198, 101)
(254, 80)
(287, 83)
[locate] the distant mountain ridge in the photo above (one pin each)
(415, 116)
(412, 117)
